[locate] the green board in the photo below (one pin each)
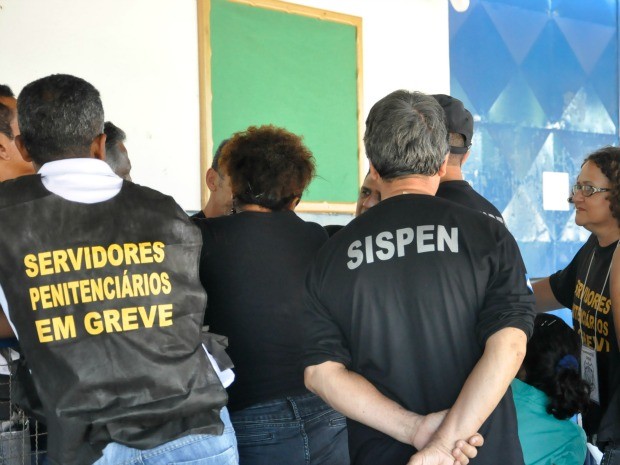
(293, 71)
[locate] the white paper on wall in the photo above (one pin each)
(555, 187)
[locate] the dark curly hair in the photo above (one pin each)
(551, 365)
(607, 159)
(268, 166)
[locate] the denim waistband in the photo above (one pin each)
(282, 409)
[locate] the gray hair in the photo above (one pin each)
(114, 136)
(406, 134)
(59, 116)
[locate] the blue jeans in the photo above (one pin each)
(300, 430)
(195, 449)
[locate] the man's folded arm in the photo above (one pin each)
(355, 397)
(484, 388)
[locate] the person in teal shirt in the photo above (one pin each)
(549, 391)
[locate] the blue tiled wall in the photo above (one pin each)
(541, 78)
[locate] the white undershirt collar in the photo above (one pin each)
(84, 180)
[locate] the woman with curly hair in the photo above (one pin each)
(584, 287)
(548, 391)
(253, 267)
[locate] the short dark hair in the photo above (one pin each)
(6, 117)
(59, 116)
(551, 365)
(114, 136)
(406, 134)
(455, 140)
(268, 166)
(5, 91)
(607, 159)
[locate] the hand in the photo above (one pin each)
(430, 423)
(435, 454)
(426, 428)
(465, 450)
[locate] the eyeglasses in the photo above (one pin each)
(587, 191)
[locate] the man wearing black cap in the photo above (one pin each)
(453, 187)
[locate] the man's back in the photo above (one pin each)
(100, 308)
(416, 285)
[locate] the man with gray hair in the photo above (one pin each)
(418, 312)
(108, 312)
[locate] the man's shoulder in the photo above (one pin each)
(456, 184)
(315, 230)
(138, 191)
(199, 215)
(150, 203)
(21, 189)
(463, 193)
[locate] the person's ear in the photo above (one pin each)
(4, 147)
(212, 179)
(293, 204)
(97, 147)
(464, 157)
(444, 166)
(19, 143)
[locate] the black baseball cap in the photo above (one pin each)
(458, 120)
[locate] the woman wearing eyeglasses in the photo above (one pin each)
(584, 287)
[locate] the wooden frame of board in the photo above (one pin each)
(324, 201)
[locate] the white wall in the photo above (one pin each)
(142, 55)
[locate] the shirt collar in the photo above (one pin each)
(83, 180)
(529, 393)
(76, 166)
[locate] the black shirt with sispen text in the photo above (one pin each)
(407, 295)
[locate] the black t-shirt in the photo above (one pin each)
(332, 229)
(253, 268)
(590, 301)
(407, 295)
(462, 193)
(199, 215)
